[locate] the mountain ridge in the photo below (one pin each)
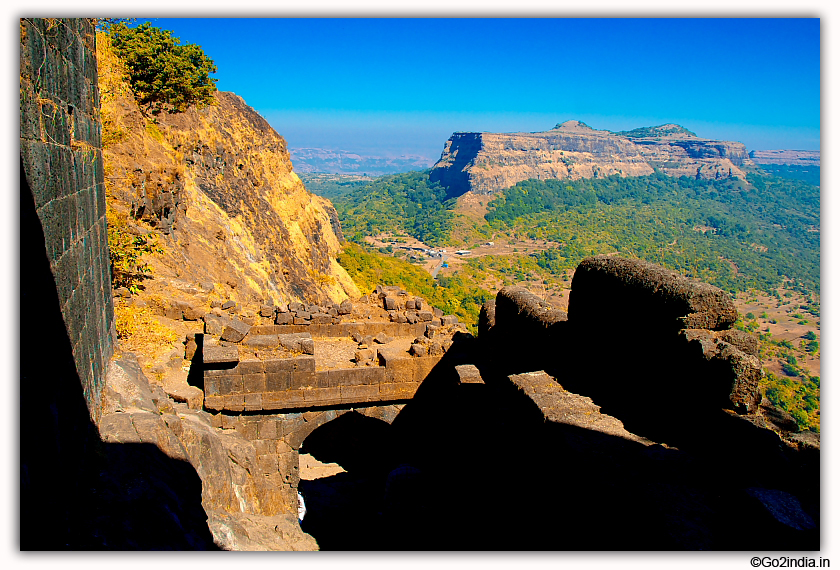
(486, 163)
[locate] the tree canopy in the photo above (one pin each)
(164, 75)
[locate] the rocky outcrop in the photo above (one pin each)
(244, 502)
(657, 297)
(485, 163)
(218, 184)
(646, 355)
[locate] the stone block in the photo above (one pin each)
(307, 346)
(190, 395)
(277, 365)
(278, 381)
(418, 350)
(229, 422)
(423, 366)
(214, 324)
(284, 318)
(214, 403)
(273, 400)
(211, 386)
(327, 378)
(173, 311)
(390, 303)
(266, 431)
(382, 338)
(321, 319)
(304, 364)
(425, 316)
(266, 311)
(254, 383)
(216, 420)
(303, 379)
(250, 367)
(435, 348)
(447, 320)
(261, 341)
(248, 427)
(253, 402)
(190, 347)
(400, 370)
(192, 313)
(363, 393)
(300, 321)
(235, 330)
(228, 305)
(364, 355)
(267, 463)
(323, 396)
(345, 307)
(234, 402)
(468, 374)
(231, 384)
(398, 391)
(291, 399)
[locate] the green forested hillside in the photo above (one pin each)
(333, 186)
(406, 202)
(453, 295)
(809, 174)
(759, 235)
(731, 234)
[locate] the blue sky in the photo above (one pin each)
(404, 85)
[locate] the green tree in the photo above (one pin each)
(164, 75)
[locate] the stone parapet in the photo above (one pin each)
(293, 383)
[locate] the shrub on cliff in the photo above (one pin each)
(126, 251)
(164, 75)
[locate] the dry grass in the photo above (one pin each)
(139, 331)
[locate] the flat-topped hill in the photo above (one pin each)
(485, 163)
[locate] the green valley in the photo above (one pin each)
(758, 238)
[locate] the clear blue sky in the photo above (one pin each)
(404, 85)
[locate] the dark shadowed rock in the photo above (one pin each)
(609, 288)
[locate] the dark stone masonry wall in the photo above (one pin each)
(288, 383)
(61, 163)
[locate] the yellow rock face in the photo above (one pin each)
(219, 186)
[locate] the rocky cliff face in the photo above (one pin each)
(484, 163)
(218, 184)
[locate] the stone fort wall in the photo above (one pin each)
(61, 163)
